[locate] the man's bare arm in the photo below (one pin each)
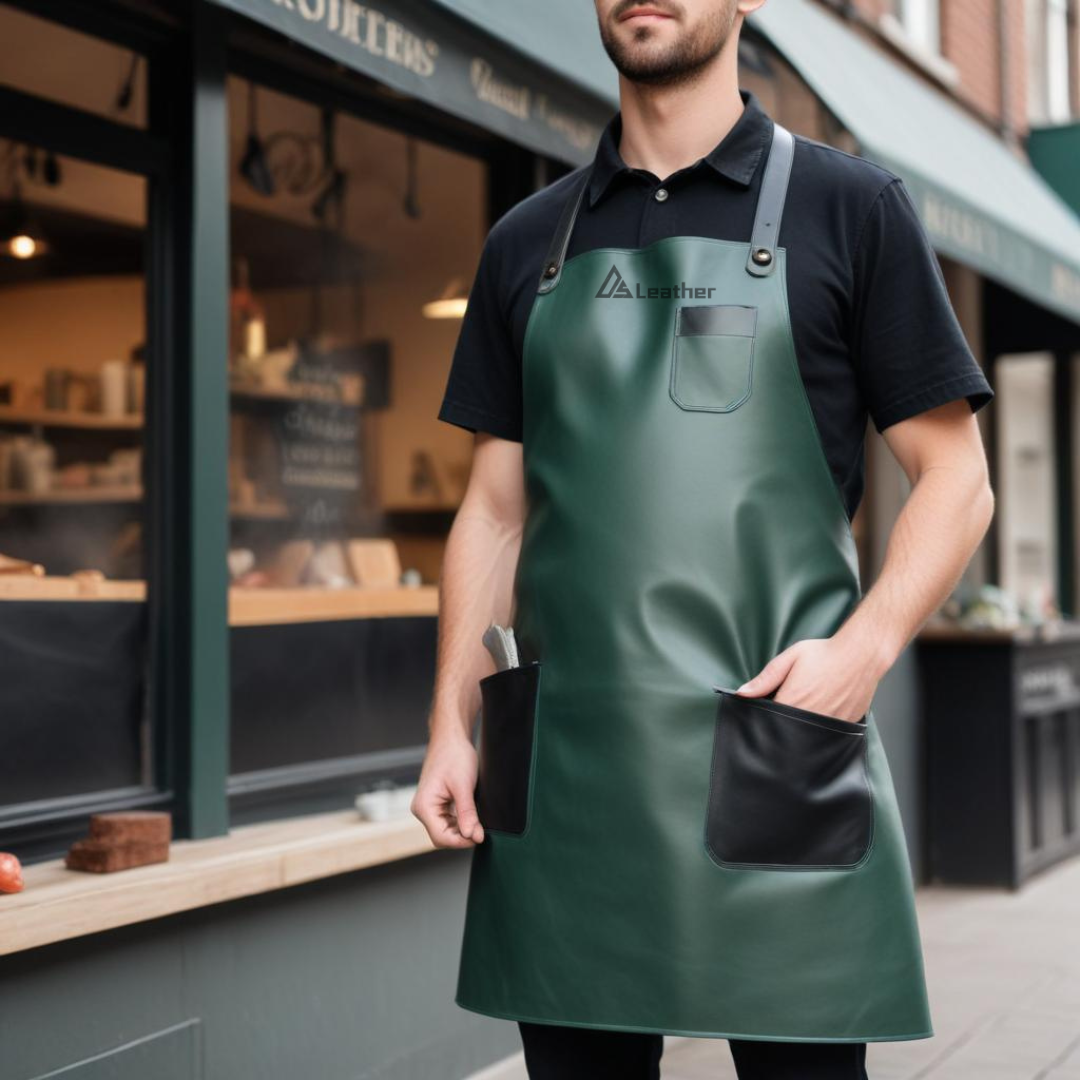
(939, 528)
(475, 589)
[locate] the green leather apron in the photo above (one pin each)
(662, 855)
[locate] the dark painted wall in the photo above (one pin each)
(349, 978)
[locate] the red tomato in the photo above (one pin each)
(11, 879)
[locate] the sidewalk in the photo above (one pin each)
(1004, 975)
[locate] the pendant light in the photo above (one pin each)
(20, 237)
(254, 167)
(451, 304)
(333, 192)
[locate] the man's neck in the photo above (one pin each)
(664, 129)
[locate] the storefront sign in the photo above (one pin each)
(320, 448)
(421, 50)
(989, 245)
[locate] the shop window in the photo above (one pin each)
(62, 65)
(353, 247)
(1027, 484)
(920, 21)
(1049, 66)
(73, 363)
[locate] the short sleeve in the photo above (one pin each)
(908, 347)
(483, 390)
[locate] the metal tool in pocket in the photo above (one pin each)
(502, 646)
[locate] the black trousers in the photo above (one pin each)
(556, 1052)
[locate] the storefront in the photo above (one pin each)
(239, 237)
(267, 390)
(238, 241)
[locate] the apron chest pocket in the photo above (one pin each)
(712, 359)
(507, 735)
(788, 788)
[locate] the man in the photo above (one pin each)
(683, 819)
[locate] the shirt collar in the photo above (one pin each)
(735, 157)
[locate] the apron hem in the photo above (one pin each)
(689, 1034)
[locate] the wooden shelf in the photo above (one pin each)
(1064, 630)
(9, 414)
(275, 607)
(103, 493)
(316, 392)
(266, 511)
(60, 904)
(28, 587)
(118, 493)
(421, 508)
(247, 607)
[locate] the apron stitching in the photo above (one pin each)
(676, 338)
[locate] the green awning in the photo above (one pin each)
(469, 62)
(1055, 153)
(981, 204)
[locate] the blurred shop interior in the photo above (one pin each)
(352, 246)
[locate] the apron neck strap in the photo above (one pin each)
(770, 204)
(770, 208)
(560, 241)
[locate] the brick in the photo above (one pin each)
(140, 826)
(102, 857)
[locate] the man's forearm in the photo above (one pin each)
(939, 528)
(475, 589)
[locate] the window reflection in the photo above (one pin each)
(353, 246)
(73, 368)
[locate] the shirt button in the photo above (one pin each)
(661, 195)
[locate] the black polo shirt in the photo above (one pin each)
(874, 331)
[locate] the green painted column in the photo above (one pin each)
(198, 575)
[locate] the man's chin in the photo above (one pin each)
(643, 59)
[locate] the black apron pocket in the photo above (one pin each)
(507, 734)
(788, 788)
(713, 357)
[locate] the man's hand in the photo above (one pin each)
(444, 796)
(834, 676)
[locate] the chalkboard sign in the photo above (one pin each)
(321, 473)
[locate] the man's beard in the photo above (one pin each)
(680, 62)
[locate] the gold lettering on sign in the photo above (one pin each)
(371, 30)
(495, 91)
(970, 231)
(577, 132)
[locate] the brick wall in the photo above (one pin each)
(1016, 40)
(970, 42)
(874, 9)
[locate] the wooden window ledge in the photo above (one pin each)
(58, 904)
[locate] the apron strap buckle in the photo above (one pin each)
(770, 206)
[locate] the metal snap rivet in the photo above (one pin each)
(661, 195)
(550, 270)
(762, 256)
